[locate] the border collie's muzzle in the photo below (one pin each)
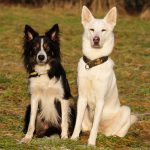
(41, 56)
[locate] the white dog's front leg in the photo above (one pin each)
(31, 128)
(81, 106)
(65, 118)
(97, 117)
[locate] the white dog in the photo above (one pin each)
(98, 107)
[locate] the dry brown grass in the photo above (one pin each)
(131, 56)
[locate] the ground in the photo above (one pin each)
(131, 57)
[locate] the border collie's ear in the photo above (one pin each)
(53, 33)
(29, 33)
(111, 16)
(86, 15)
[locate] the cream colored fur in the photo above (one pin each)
(98, 107)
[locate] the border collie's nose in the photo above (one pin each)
(41, 57)
(96, 39)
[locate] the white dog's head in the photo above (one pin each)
(98, 31)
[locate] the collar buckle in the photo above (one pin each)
(36, 74)
(87, 66)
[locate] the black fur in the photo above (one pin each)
(58, 71)
(53, 53)
(40, 131)
(31, 48)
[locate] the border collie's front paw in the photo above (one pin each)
(64, 136)
(26, 140)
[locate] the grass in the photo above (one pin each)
(131, 56)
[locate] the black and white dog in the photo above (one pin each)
(50, 110)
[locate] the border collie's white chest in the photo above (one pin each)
(44, 86)
(47, 91)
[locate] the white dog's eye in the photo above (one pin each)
(92, 30)
(103, 30)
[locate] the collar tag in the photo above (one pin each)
(36, 74)
(87, 66)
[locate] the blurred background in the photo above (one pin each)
(131, 7)
(131, 56)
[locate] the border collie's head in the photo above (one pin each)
(40, 50)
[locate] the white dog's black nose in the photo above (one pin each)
(41, 57)
(96, 39)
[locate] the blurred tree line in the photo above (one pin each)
(132, 7)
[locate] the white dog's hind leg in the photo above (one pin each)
(121, 123)
(123, 131)
(81, 106)
(125, 121)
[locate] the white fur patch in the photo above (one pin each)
(97, 86)
(47, 91)
(42, 52)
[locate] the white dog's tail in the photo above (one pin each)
(139, 117)
(134, 119)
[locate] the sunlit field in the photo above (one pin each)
(132, 66)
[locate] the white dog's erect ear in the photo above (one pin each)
(111, 16)
(86, 15)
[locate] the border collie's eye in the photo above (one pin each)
(47, 48)
(92, 30)
(34, 48)
(103, 30)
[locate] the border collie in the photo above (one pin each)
(98, 107)
(50, 110)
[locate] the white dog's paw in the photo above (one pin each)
(26, 140)
(74, 137)
(91, 142)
